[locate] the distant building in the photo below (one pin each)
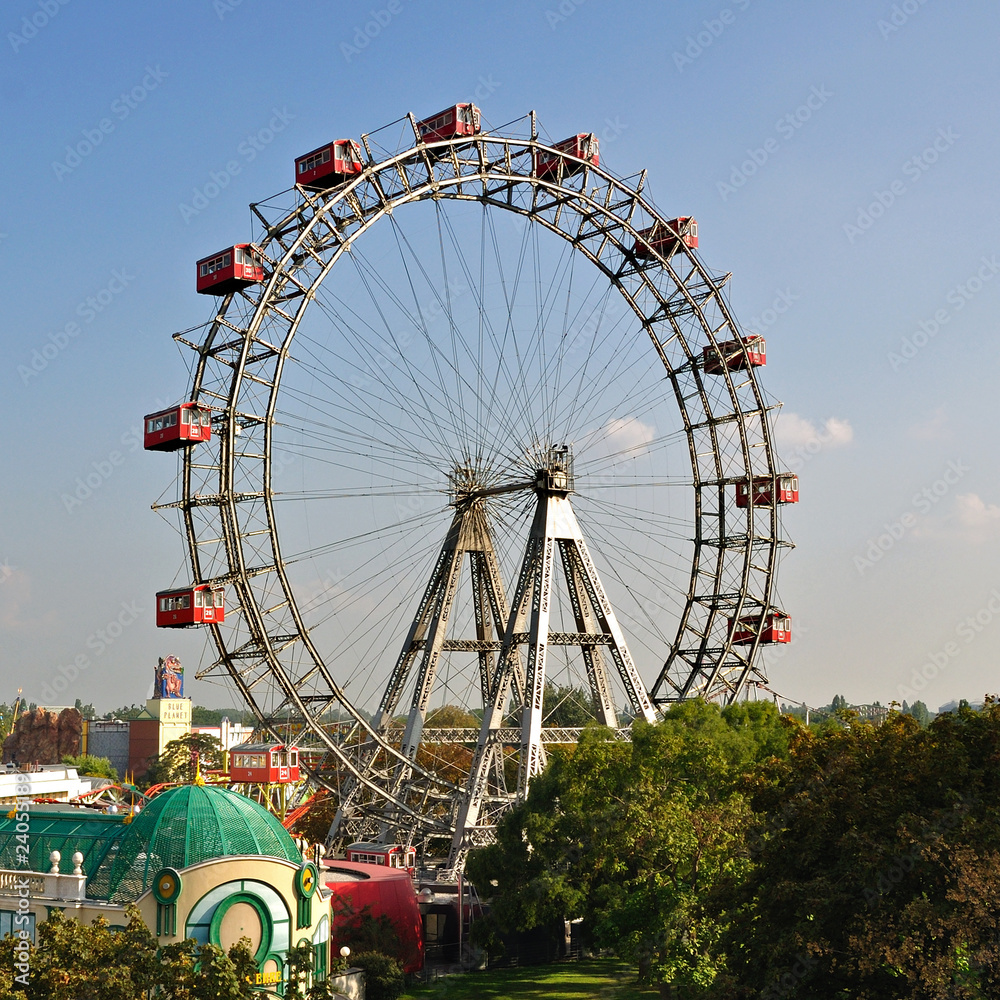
(229, 734)
(109, 739)
(47, 781)
(161, 721)
(876, 714)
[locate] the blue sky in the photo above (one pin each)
(841, 160)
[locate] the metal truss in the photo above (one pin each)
(228, 503)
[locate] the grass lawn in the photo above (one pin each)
(605, 978)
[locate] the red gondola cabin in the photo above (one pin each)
(332, 164)
(461, 119)
(389, 855)
(230, 270)
(730, 356)
(777, 627)
(763, 494)
(583, 147)
(264, 763)
(679, 232)
(201, 604)
(177, 427)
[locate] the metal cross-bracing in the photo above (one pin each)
(428, 337)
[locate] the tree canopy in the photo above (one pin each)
(734, 854)
(877, 865)
(181, 758)
(631, 836)
(78, 961)
(89, 766)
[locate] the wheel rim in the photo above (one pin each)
(250, 370)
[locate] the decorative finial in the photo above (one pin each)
(55, 857)
(77, 863)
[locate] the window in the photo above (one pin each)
(163, 604)
(314, 160)
(7, 925)
(199, 599)
(293, 758)
(185, 601)
(274, 760)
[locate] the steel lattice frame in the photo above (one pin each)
(227, 503)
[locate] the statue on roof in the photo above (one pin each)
(169, 678)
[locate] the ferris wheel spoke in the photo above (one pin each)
(413, 361)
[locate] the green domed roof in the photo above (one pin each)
(184, 826)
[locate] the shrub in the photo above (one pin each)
(383, 975)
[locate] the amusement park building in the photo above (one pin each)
(199, 861)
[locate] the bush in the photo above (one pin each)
(383, 975)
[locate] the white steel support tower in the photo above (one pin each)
(554, 528)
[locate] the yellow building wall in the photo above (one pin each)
(174, 715)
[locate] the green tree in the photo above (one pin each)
(383, 975)
(74, 961)
(78, 961)
(125, 713)
(192, 971)
(87, 711)
(631, 836)
(565, 705)
(877, 867)
(177, 762)
(90, 766)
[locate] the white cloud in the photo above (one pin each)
(974, 513)
(797, 433)
(627, 434)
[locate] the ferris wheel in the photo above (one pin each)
(481, 457)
